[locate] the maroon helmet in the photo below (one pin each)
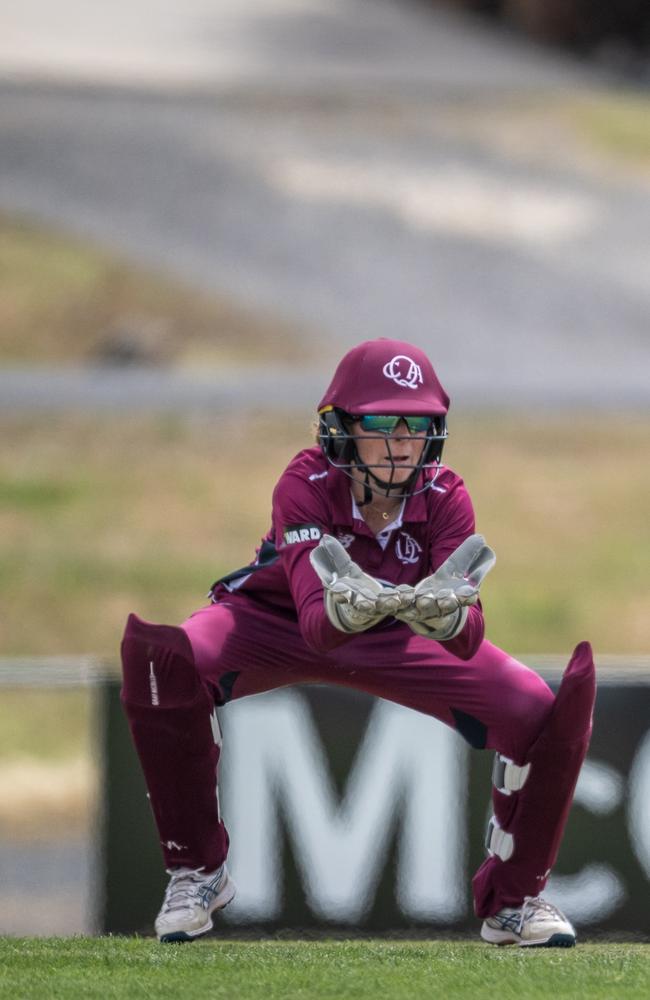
(386, 376)
(382, 377)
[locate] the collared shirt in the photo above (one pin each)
(312, 498)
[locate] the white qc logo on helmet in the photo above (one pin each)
(404, 371)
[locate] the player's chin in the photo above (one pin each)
(394, 474)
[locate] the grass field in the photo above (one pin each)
(116, 968)
(100, 517)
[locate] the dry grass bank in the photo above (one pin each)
(64, 300)
(102, 516)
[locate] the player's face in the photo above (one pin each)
(390, 453)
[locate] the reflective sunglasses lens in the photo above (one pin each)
(379, 424)
(387, 424)
(418, 425)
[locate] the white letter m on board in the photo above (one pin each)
(407, 763)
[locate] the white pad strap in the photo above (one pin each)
(498, 841)
(216, 729)
(508, 777)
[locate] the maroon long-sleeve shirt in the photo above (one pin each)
(312, 498)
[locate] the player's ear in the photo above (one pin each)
(334, 434)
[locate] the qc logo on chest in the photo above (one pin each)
(293, 534)
(407, 549)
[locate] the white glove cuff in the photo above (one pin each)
(442, 629)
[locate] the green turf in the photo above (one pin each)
(101, 517)
(113, 968)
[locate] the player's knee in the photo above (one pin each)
(533, 712)
(157, 665)
(526, 711)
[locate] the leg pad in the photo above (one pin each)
(177, 738)
(535, 816)
(158, 666)
(498, 842)
(508, 777)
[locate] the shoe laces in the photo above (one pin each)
(180, 894)
(533, 904)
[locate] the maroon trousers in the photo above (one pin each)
(173, 676)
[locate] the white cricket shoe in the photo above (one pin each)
(534, 924)
(191, 898)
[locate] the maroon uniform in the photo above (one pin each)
(267, 627)
(312, 499)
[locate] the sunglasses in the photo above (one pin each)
(387, 424)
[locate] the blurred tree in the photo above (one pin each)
(580, 24)
(583, 24)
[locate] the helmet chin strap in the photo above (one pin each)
(367, 492)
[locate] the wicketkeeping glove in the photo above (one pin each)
(354, 600)
(440, 603)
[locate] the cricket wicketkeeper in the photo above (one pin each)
(368, 577)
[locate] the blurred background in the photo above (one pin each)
(202, 206)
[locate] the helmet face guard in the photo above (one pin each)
(380, 377)
(339, 445)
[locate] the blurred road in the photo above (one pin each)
(349, 165)
(319, 45)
